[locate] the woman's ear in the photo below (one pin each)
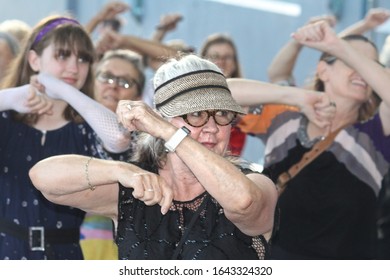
(33, 60)
(323, 71)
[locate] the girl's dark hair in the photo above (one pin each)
(68, 37)
(368, 108)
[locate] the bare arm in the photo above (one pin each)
(167, 23)
(315, 105)
(66, 180)
(111, 40)
(248, 201)
(322, 37)
(373, 19)
(282, 66)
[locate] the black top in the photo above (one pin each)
(144, 233)
(328, 210)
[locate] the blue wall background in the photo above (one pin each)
(258, 34)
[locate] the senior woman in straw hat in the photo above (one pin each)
(182, 196)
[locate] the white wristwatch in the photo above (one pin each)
(176, 139)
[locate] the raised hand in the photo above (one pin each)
(169, 22)
(112, 9)
(319, 108)
(318, 35)
(376, 17)
(138, 116)
(38, 103)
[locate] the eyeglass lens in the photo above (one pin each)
(119, 81)
(221, 117)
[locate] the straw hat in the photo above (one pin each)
(194, 91)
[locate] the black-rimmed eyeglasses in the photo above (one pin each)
(198, 119)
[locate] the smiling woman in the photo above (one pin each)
(321, 213)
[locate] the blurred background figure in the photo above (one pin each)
(118, 75)
(9, 48)
(220, 49)
(17, 28)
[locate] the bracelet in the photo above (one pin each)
(92, 188)
(176, 139)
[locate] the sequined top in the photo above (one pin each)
(144, 233)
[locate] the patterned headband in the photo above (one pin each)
(53, 24)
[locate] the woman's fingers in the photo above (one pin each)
(152, 189)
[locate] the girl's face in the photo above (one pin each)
(62, 64)
(222, 54)
(116, 79)
(342, 80)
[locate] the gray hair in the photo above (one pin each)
(11, 41)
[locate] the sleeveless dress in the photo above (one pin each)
(143, 233)
(21, 146)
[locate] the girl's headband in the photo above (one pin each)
(49, 27)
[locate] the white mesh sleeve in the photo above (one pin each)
(14, 99)
(103, 121)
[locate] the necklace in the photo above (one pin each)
(302, 134)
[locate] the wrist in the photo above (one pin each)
(174, 141)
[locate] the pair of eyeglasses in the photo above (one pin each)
(217, 57)
(198, 119)
(331, 59)
(108, 78)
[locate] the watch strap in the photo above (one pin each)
(176, 139)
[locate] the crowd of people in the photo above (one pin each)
(99, 162)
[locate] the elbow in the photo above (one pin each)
(120, 145)
(240, 209)
(255, 211)
(35, 177)
(39, 181)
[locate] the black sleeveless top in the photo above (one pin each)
(144, 233)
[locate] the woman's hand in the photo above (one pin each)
(318, 35)
(319, 109)
(148, 187)
(38, 103)
(138, 116)
(109, 40)
(376, 17)
(112, 9)
(35, 101)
